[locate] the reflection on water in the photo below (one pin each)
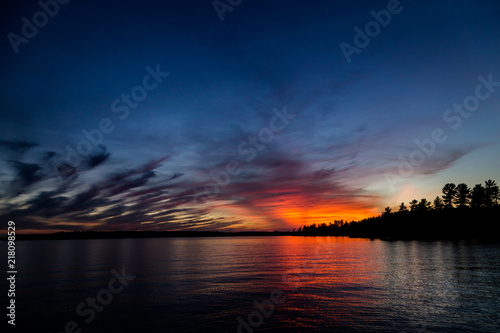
(332, 284)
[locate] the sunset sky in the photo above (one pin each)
(158, 115)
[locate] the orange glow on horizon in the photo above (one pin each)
(293, 211)
(297, 216)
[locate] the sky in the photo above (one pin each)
(239, 115)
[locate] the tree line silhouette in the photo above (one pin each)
(460, 212)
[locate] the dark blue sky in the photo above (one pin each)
(209, 145)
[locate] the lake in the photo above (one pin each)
(257, 284)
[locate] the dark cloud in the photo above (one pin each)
(46, 204)
(442, 159)
(86, 201)
(17, 146)
(119, 201)
(97, 159)
(48, 155)
(130, 182)
(27, 173)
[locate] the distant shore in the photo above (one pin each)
(445, 224)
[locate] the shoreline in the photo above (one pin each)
(85, 235)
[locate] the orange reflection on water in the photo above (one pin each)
(328, 261)
(328, 278)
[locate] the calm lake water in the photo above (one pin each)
(300, 284)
